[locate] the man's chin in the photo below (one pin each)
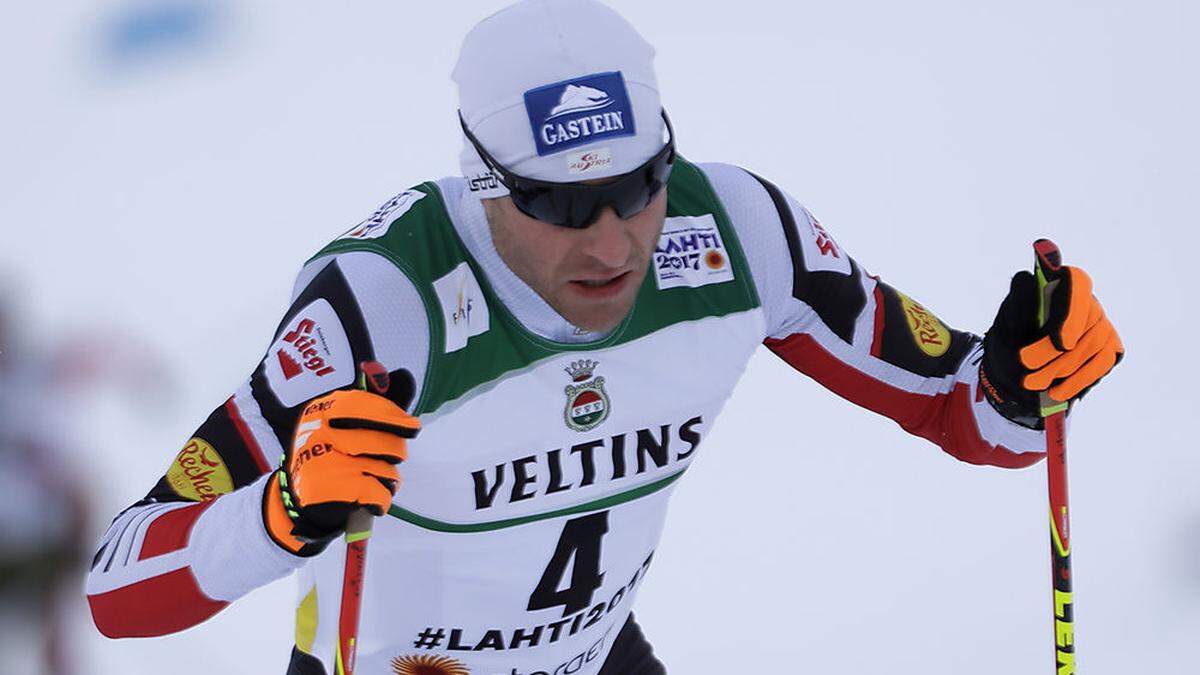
(597, 316)
(598, 310)
(597, 320)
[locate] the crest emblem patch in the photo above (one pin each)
(587, 403)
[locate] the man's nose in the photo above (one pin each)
(608, 239)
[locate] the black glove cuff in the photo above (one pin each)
(315, 535)
(1011, 409)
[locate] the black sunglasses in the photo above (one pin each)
(578, 205)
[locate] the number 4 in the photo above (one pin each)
(580, 540)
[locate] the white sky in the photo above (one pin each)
(935, 140)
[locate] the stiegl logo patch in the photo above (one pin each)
(311, 355)
(587, 402)
(308, 351)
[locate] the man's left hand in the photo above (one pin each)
(1065, 358)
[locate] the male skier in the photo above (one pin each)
(562, 324)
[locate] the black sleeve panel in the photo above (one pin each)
(329, 284)
(215, 460)
(837, 298)
(912, 338)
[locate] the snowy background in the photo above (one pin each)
(168, 165)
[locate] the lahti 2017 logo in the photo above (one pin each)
(587, 403)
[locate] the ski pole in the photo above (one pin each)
(1048, 271)
(372, 377)
(358, 530)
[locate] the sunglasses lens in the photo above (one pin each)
(536, 202)
(577, 206)
(643, 190)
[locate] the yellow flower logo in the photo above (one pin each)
(428, 665)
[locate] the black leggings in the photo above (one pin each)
(632, 654)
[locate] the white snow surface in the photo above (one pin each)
(935, 139)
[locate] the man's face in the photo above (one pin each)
(589, 276)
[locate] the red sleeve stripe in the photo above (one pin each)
(877, 340)
(156, 606)
(945, 419)
(247, 437)
(170, 531)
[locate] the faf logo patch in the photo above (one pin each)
(198, 472)
(428, 664)
(587, 403)
(464, 308)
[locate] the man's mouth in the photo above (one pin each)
(600, 288)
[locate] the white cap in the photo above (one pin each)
(558, 90)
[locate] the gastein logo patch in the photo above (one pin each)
(572, 113)
(428, 664)
(587, 402)
(928, 331)
(198, 472)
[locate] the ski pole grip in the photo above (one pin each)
(372, 377)
(1048, 270)
(359, 525)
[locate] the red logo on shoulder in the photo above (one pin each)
(309, 344)
(825, 242)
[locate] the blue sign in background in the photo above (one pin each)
(576, 112)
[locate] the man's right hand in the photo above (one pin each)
(343, 457)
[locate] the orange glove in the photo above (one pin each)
(343, 457)
(1066, 358)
